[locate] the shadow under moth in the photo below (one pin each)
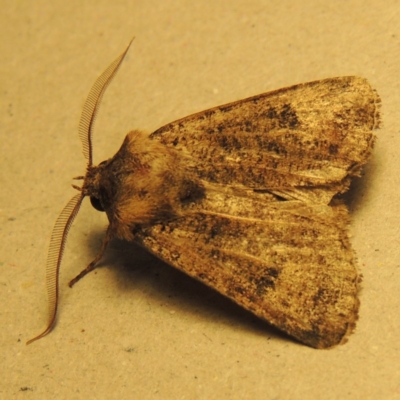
(242, 197)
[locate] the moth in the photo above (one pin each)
(244, 197)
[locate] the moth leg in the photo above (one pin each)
(93, 264)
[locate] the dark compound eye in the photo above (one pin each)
(96, 203)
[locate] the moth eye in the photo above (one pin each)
(96, 203)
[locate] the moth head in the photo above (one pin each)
(91, 186)
(96, 203)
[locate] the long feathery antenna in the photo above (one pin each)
(68, 214)
(54, 257)
(92, 104)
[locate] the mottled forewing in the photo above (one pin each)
(312, 135)
(264, 234)
(288, 262)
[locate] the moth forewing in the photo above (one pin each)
(242, 198)
(267, 233)
(288, 262)
(301, 137)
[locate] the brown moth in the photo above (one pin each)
(242, 197)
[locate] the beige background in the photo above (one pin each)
(137, 328)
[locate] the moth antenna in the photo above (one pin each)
(68, 214)
(54, 257)
(92, 104)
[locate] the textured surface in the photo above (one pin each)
(309, 137)
(287, 259)
(239, 197)
(137, 328)
(293, 267)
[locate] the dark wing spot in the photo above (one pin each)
(288, 117)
